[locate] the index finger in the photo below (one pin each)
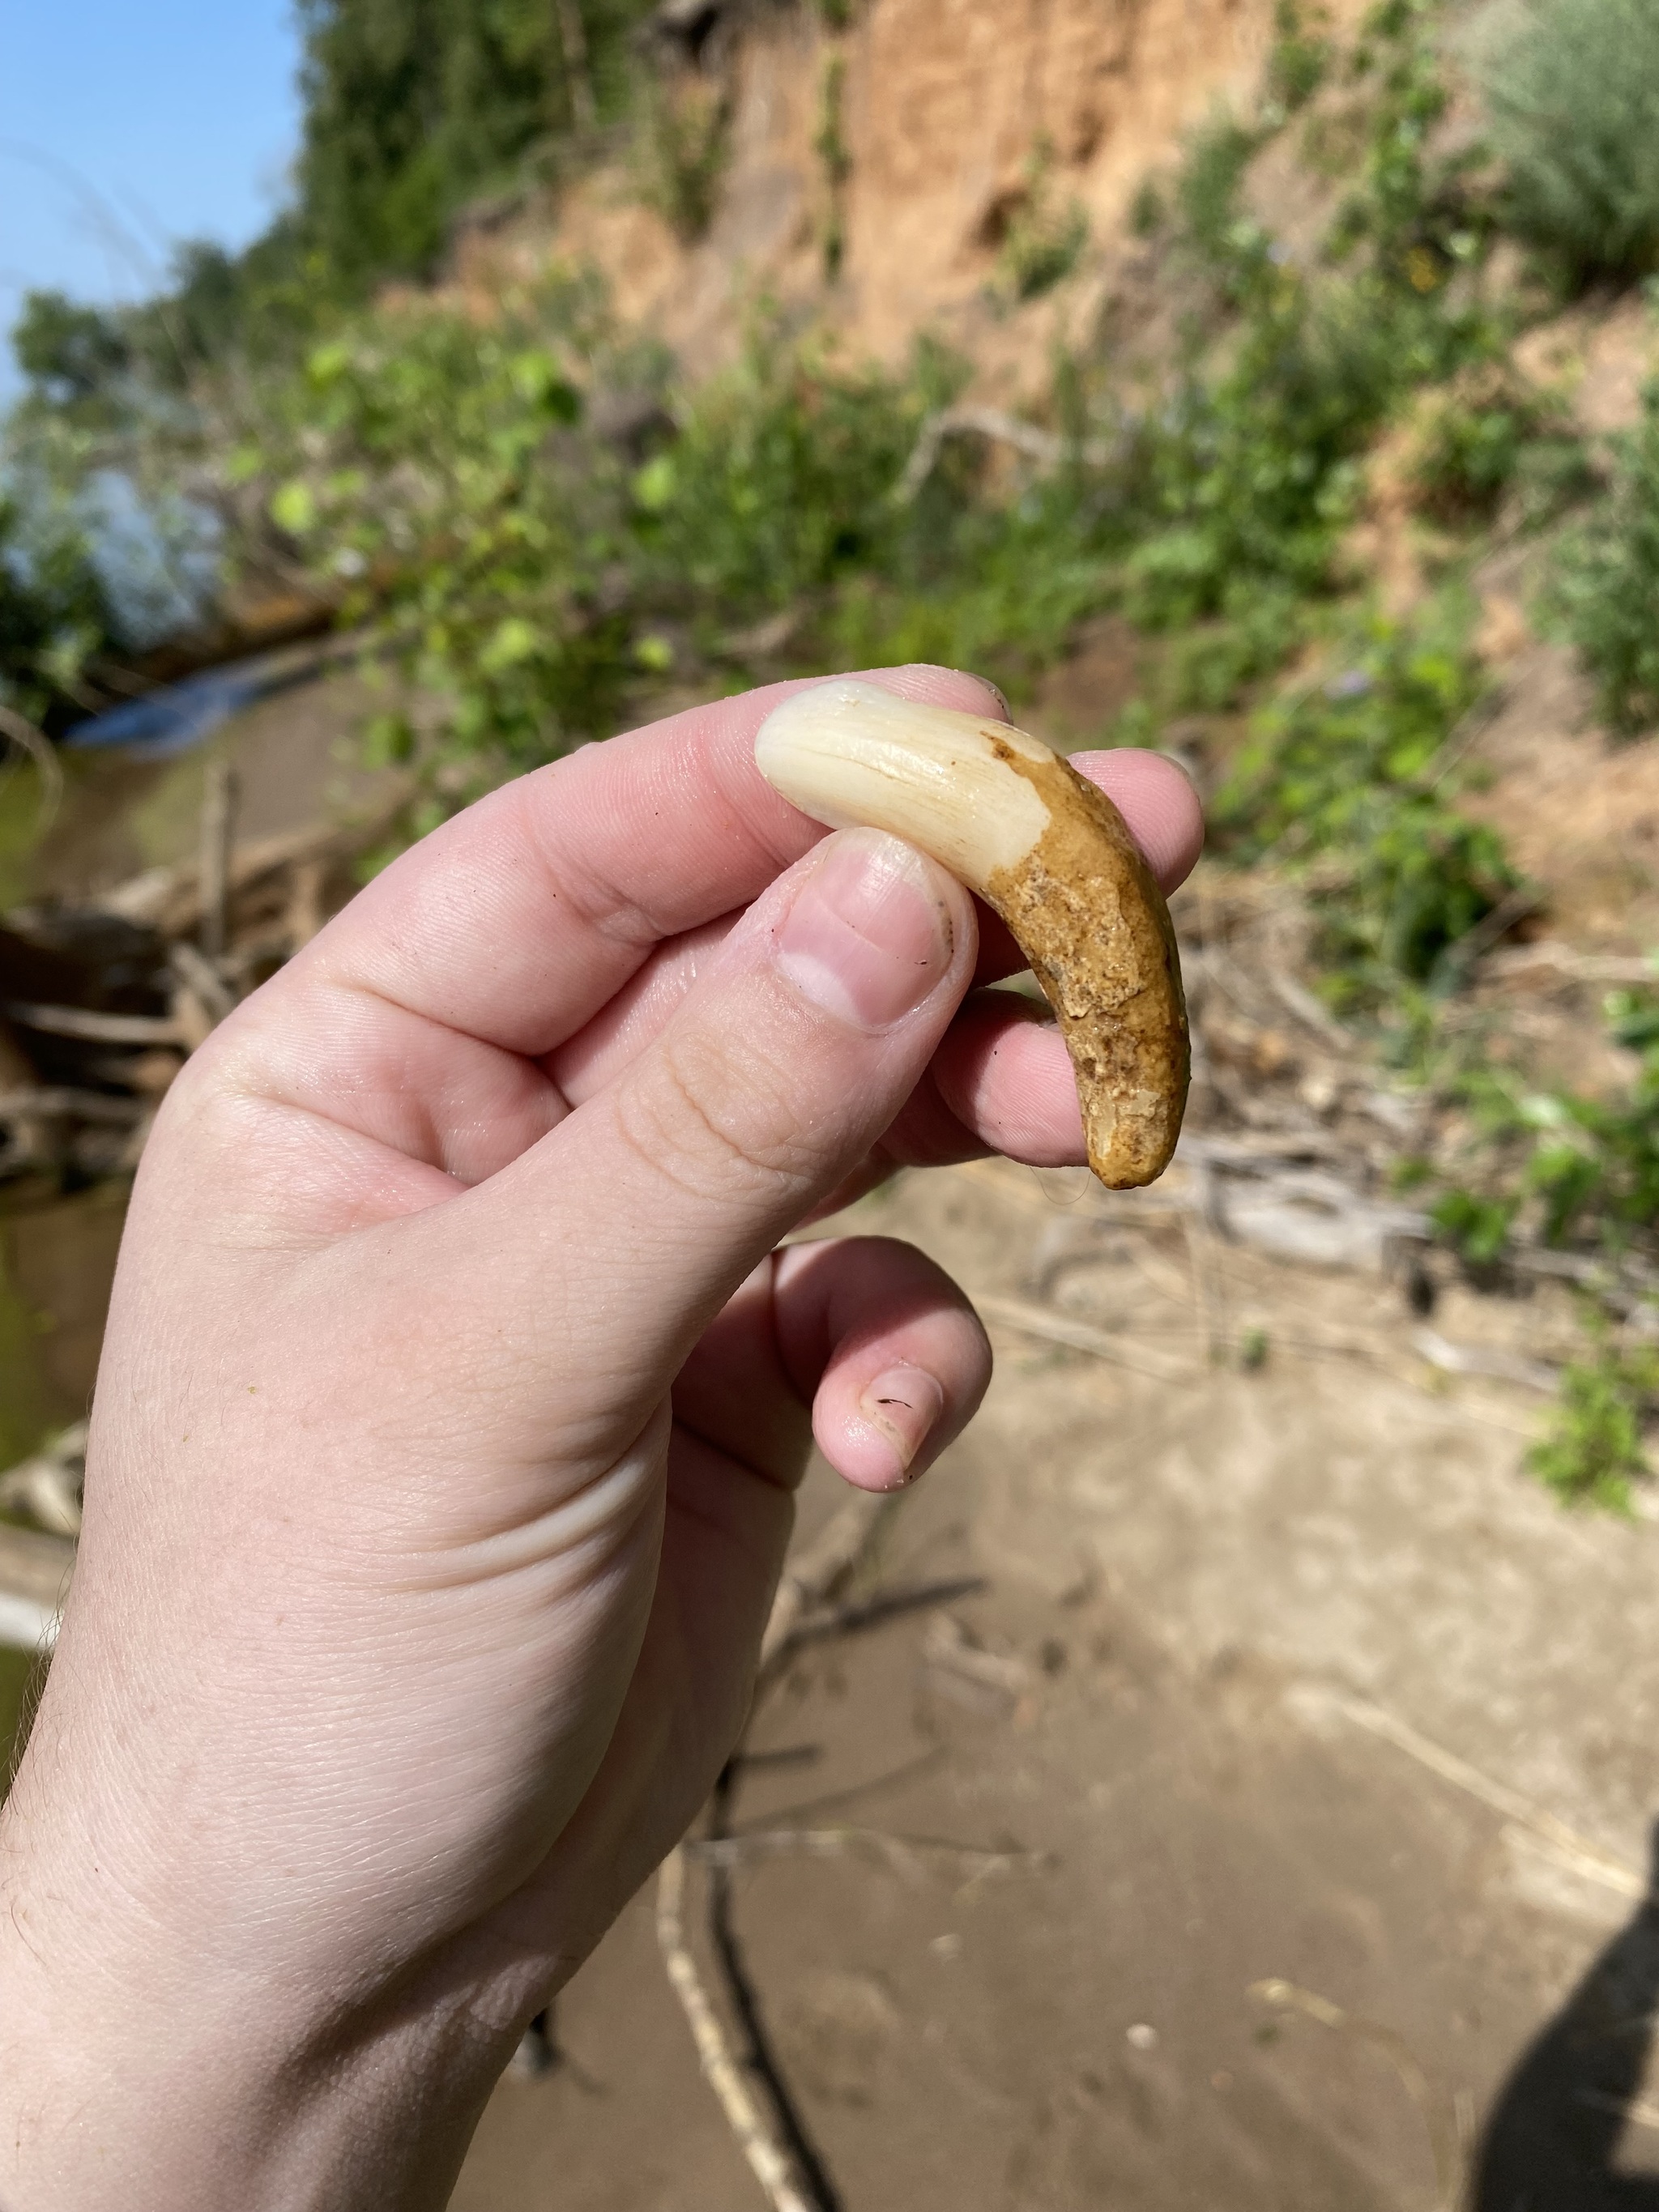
(514, 923)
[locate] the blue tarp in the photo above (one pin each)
(172, 719)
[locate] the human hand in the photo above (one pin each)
(452, 1403)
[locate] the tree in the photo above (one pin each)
(413, 107)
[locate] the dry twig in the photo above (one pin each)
(817, 1575)
(95, 1028)
(1438, 2118)
(821, 1570)
(41, 749)
(1079, 1336)
(1002, 429)
(218, 843)
(910, 1855)
(1561, 1843)
(756, 2131)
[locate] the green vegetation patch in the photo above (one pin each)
(1605, 589)
(1341, 781)
(1573, 87)
(1594, 1452)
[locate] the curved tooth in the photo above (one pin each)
(1050, 852)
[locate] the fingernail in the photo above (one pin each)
(868, 938)
(904, 1404)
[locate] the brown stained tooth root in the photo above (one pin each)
(1044, 848)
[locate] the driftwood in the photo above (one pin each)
(1002, 429)
(757, 2131)
(17, 730)
(103, 1003)
(34, 1576)
(171, 900)
(911, 1855)
(213, 866)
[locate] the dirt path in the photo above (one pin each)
(1193, 1598)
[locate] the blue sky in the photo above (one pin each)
(126, 125)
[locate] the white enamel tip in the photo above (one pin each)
(852, 755)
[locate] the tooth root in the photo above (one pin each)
(1050, 852)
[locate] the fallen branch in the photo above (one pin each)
(1524, 960)
(1438, 2118)
(170, 899)
(217, 844)
(1485, 1359)
(911, 1855)
(34, 1574)
(1039, 446)
(1562, 1842)
(817, 1573)
(94, 1028)
(64, 1103)
(762, 2134)
(1079, 1336)
(756, 2131)
(204, 982)
(41, 749)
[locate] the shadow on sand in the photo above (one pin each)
(1552, 2141)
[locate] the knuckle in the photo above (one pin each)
(709, 1122)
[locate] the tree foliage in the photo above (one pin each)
(414, 107)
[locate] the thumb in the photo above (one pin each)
(618, 1236)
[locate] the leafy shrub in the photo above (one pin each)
(1569, 1166)
(1468, 442)
(1573, 90)
(434, 465)
(1593, 1452)
(1300, 60)
(687, 145)
(1338, 781)
(836, 159)
(780, 483)
(1251, 468)
(1476, 1228)
(54, 613)
(1043, 245)
(1209, 226)
(1606, 588)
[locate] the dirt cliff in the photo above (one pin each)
(875, 177)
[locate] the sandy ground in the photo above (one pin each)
(1173, 1610)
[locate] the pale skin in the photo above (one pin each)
(453, 1402)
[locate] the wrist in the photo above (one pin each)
(138, 2066)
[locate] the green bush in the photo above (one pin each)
(1569, 1166)
(1468, 441)
(55, 613)
(1301, 56)
(1606, 588)
(437, 467)
(1252, 468)
(1593, 1452)
(1572, 87)
(1044, 242)
(686, 145)
(1210, 228)
(1338, 781)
